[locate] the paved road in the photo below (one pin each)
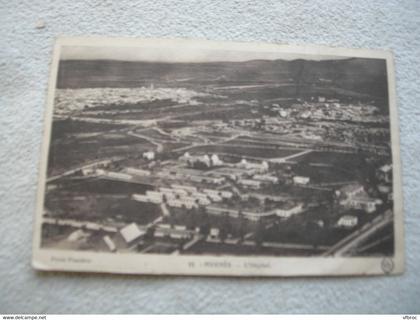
(86, 166)
(159, 146)
(93, 226)
(193, 241)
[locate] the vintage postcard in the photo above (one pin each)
(216, 158)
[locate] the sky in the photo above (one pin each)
(180, 53)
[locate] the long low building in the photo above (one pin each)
(226, 194)
(347, 221)
(266, 177)
(249, 183)
(211, 191)
(183, 187)
(138, 172)
(152, 198)
(140, 197)
(215, 198)
(286, 211)
(301, 180)
(289, 210)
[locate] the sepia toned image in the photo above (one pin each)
(199, 157)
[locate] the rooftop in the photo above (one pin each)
(131, 232)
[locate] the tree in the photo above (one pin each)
(227, 223)
(191, 219)
(172, 219)
(222, 234)
(150, 234)
(205, 229)
(225, 227)
(204, 222)
(242, 225)
(259, 234)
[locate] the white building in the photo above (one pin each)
(182, 187)
(266, 177)
(170, 196)
(160, 234)
(155, 196)
(188, 199)
(175, 203)
(154, 193)
(118, 175)
(88, 171)
(289, 210)
(385, 173)
(347, 221)
(215, 198)
(305, 115)
(226, 194)
(191, 205)
(203, 202)
(138, 172)
(214, 180)
(166, 190)
(248, 183)
(198, 195)
(355, 197)
(178, 235)
(283, 113)
(180, 227)
(149, 155)
(78, 235)
(258, 167)
(109, 243)
(216, 161)
(205, 159)
(92, 226)
(180, 192)
(351, 190)
(140, 197)
(361, 202)
(214, 232)
(301, 180)
(211, 191)
(196, 178)
(384, 188)
(131, 232)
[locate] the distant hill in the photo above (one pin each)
(364, 76)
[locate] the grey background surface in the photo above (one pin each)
(25, 53)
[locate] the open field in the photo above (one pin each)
(97, 185)
(62, 128)
(100, 207)
(68, 153)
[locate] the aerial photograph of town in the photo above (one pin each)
(259, 157)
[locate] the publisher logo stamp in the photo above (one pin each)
(387, 265)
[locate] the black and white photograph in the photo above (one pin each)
(196, 157)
